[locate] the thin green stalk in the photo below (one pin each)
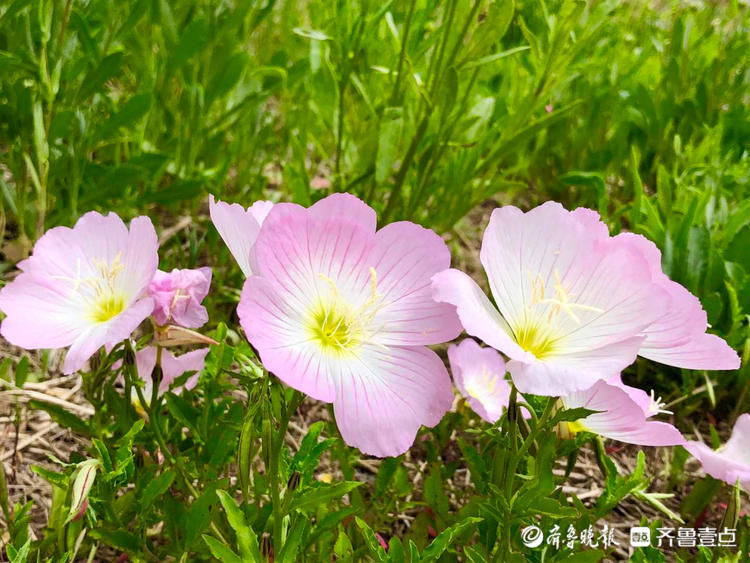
(277, 443)
(151, 409)
(402, 54)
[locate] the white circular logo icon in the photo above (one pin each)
(532, 536)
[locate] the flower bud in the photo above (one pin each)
(84, 480)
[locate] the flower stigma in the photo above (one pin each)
(338, 326)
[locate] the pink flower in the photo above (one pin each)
(572, 308)
(621, 417)
(84, 287)
(239, 227)
(577, 305)
(731, 461)
(177, 296)
(344, 313)
(679, 337)
(172, 367)
(479, 374)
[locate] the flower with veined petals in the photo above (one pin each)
(172, 367)
(619, 417)
(650, 404)
(239, 227)
(84, 287)
(572, 308)
(731, 461)
(679, 337)
(479, 374)
(177, 296)
(577, 305)
(344, 313)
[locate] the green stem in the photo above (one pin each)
(151, 409)
(402, 54)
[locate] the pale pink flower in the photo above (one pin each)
(679, 337)
(572, 308)
(620, 416)
(479, 374)
(177, 297)
(84, 287)
(344, 313)
(239, 227)
(576, 305)
(172, 367)
(731, 461)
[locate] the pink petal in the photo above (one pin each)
(479, 374)
(652, 433)
(567, 374)
(384, 396)
(306, 253)
(478, 317)
(55, 301)
(141, 257)
(678, 337)
(260, 210)
(178, 296)
(738, 445)
(404, 258)
(274, 326)
(720, 466)
(238, 227)
(703, 351)
(174, 366)
(83, 348)
(115, 330)
(22, 301)
(620, 418)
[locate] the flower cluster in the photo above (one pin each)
(346, 312)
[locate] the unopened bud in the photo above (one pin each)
(266, 549)
(81, 487)
(294, 480)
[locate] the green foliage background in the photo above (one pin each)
(424, 109)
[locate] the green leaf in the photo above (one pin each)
(311, 34)
(246, 539)
(323, 494)
(193, 39)
(178, 191)
(446, 538)
(108, 68)
(64, 418)
(119, 539)
(103, 454)
(22, 372)
(495, 57)
(371, 540)
(293, 540)
(157, 487)
(183, 411)
(128, 116)
(389, 137)
(396, 550)
(570, 415)
(52, 477)
(220, 551)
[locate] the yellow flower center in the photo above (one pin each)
(335, 328)
(540, 333)
(99, 289)
(483, 385)
(339, 327)
(107, 307)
